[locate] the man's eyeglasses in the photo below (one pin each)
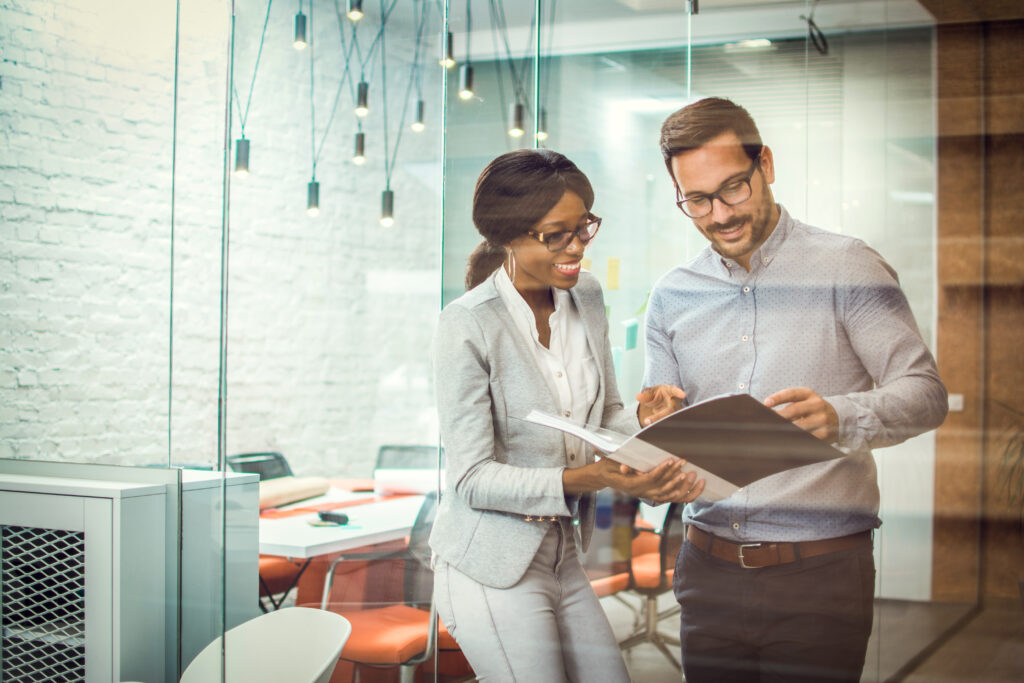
(557, 241)
(732, 193)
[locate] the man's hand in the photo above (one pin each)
(808, 411)
(658, 401)
(666, 483)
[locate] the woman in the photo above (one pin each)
(531, 335)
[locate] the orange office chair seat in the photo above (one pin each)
(397, 635)
(648, 574)
(391, 635)
(610, 585)
(278, 575)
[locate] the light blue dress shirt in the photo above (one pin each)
(818, 310)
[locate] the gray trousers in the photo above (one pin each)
(547, 628)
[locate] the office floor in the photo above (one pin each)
(989, 648)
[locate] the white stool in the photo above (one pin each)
(295, 644)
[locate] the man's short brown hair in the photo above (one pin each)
(697, 124)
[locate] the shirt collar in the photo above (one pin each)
(521, 312)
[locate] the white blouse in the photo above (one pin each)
(567, 365)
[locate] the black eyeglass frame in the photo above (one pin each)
(717, 194)
(548, 239)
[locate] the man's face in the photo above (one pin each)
(734, 231)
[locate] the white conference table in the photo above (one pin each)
(369, 523)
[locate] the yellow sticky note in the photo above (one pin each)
(586, 263)
(613, 273)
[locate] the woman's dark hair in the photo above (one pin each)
(512, 194)
(697, 124)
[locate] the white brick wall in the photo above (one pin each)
(320, 366)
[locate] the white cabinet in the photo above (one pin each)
(82, 579)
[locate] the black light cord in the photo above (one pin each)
(814, 34)
(252, 85)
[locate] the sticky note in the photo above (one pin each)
(586, 263)
(617, 358)
(632, 330)
(613, 273)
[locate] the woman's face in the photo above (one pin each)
(538, 268)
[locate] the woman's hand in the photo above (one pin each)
(666, 483)
(658, 401)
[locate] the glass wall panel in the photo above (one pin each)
(843, 93)
(332, 294)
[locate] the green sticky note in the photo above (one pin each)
(617, 358)
(632, 332)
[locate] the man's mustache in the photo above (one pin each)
(727, 226)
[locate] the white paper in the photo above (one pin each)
(635, 453)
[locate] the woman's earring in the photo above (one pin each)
(511, 268)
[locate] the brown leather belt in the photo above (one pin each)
(758, 555)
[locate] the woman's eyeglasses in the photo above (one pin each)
(557, 241)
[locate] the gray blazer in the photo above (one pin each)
(500, 468)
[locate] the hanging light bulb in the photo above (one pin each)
(417, 124)
(300, 31)
(355, 10)
(359, 155)
(516, 112)
(313, 199)
(542, 128)
(363, 99)
(466, 82)
(242, 157)
(448, 61)
(387, 206)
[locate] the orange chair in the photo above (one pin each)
(402, 635)
(651, 575)
(278, 575)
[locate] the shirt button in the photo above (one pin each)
(745, 337)
(572, 456)
(766, 259)
(567, 413)
(558, 374)
(746, 289)
(735, 525)
(742, 386)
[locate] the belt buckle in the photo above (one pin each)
(743, 562)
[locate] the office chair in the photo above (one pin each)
(295, 644)
(277, 575)
(651, 576)
(398, 635)
(268, 465)
(403, 457)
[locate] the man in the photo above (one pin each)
(776, 582)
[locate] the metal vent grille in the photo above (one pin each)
(42, 604)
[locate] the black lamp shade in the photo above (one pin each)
(313, 198)
(516, 115)
(300, 30)
(359, 153)
(363, 98)
(466, 81)
(387, 208)
(241, 156)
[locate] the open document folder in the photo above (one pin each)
(728, 441)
